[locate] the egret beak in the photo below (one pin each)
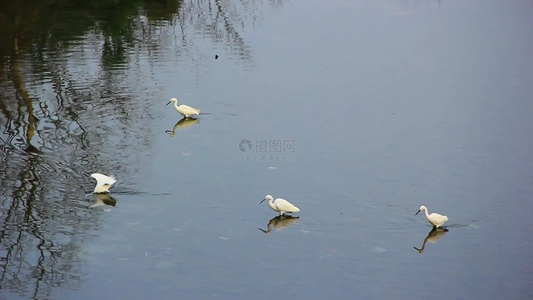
(262, 201)
(417, 212)
(168, 103)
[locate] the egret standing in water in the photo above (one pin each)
(435, 219)
(103, 182)
(184, 110)
(280, 205)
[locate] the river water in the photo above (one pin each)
(358, 112)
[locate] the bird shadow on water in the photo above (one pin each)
(433, 236)
(279, 222)
(183, 124)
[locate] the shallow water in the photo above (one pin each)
(358, 112)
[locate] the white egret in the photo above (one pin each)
(182, 124)
(103, 182)
(280, 205)
(435, 219)
(184, 110)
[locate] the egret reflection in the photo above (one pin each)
(182, 124)
(434, 235)
(103, 199)
(280, 222)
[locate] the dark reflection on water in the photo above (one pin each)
(433, 236)
(102, 200)
(71, 77)
(182, 124)
(280, 222)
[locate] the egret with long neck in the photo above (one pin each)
(280, 205)
(184, 110)
(435, 219)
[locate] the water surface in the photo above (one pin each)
(358, 112)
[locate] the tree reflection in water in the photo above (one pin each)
(67, 92)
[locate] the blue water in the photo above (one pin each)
(358, 112)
